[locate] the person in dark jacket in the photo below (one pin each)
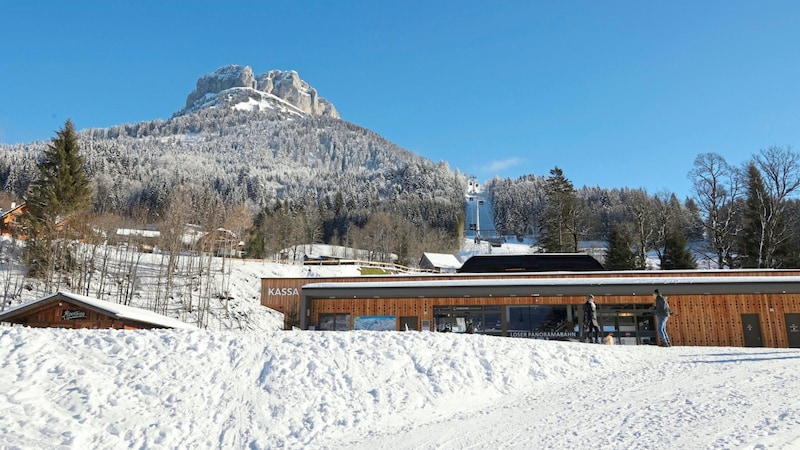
(662, 313)
(590, 320)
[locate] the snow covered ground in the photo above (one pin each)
(111, 389)
(242, 383)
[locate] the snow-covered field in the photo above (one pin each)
(106, 389)
(241, 383)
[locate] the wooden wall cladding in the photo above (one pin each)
(52, 315)
(712, 320)
(278, 293)
(699, 320)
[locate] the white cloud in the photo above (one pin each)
(500, 165)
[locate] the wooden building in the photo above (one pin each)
(439, 262)
(9, 221)
(68, 310)
(712, 308)
(221, 242)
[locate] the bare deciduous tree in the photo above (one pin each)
(718, 187)
(779, 170)
(641, 210)
(173, 229)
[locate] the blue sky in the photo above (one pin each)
(616, 93)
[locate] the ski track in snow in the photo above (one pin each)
(671, 402)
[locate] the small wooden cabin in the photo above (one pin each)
(439, 262)
(68, 310)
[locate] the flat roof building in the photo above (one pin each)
(724, 308)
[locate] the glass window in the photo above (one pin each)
(342, 322)
(492, 324)
(485, 319)
(334, 322)
(540, 321)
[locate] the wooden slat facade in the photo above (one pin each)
(53, 315)
(69, 310)
(705, 315)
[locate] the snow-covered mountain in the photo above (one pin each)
(236, 87)
(253, 140)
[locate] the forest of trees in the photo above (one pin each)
(279, 181)
(332, 180)
(740, 216)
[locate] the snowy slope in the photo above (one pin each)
(179, 389)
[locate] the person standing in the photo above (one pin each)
(590, 320)
(662, 313)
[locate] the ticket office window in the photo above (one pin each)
(334, 322)
(542, 321)
(485, 319)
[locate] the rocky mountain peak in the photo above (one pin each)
(236, 86)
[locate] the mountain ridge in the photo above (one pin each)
(237, 145)
(236, 86)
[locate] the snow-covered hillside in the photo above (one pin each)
(225, 297)
(182, 389)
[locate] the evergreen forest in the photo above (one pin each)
(278, 181)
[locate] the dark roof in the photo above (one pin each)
(541, 262)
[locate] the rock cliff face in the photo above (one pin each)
(234, 86)
(290, 87)
(222, 79)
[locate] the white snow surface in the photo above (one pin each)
(182, 389)
(252, 386)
